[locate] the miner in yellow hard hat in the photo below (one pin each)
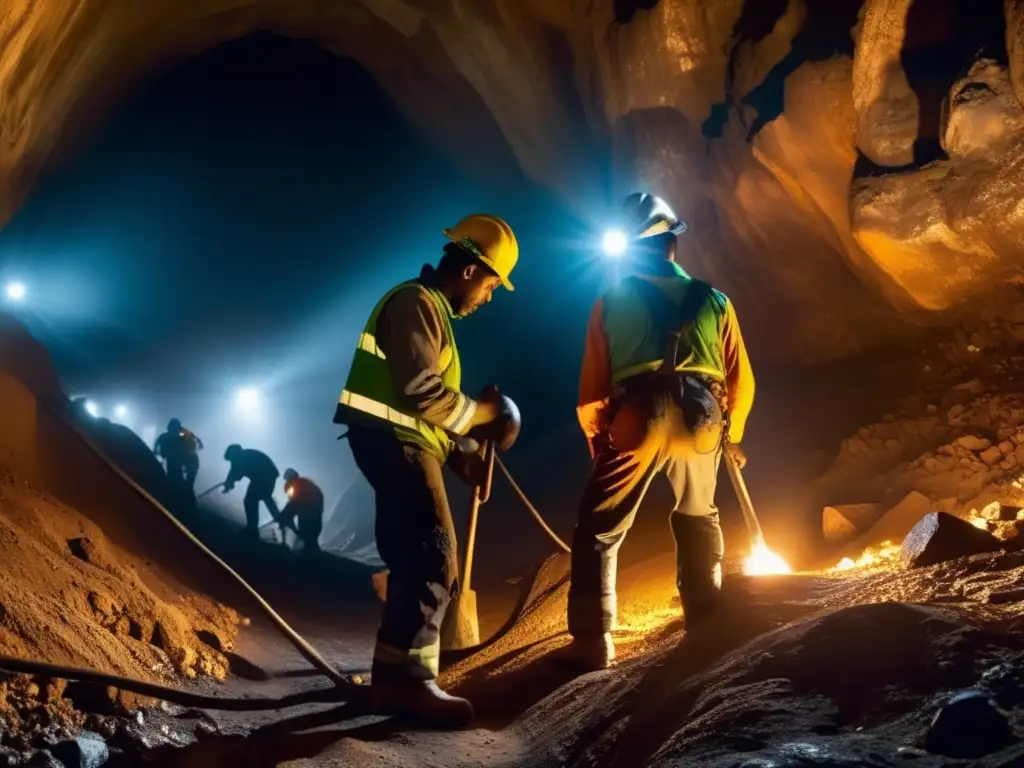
(407, 417)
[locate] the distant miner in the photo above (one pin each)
(179, 448)
(262, 474)
(404, 407)
(665, 384)
(306, 507)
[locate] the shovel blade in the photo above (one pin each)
(462, 624)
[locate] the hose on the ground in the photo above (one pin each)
(333, 694)
(344, 688)
(530, 508)
(299, 642)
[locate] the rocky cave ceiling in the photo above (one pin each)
(852, 169)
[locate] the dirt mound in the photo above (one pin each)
(92, 575)
(798, 670)
(70, 596)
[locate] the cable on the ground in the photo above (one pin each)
(333, 694)
(299, 642)
(529, 506)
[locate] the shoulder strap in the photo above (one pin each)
(696, 296)
(678, 318)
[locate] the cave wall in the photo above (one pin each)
(851, 169)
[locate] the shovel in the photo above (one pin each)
(463, 624)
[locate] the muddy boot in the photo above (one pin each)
(420, 701)
(699, 549)
(588, 653)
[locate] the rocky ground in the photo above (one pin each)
(868, 662)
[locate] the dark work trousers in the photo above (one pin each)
(618, 483)
(260, 489)
(310, 521)
(416, 540)
(190, 465)
(176, 470)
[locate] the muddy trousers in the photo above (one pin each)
(259, 490)
(416, 541)
(618, 483)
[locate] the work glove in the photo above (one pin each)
(469, 466)
(504, 430)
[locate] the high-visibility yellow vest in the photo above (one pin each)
(636, 344)
(370, 390)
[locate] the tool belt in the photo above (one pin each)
(645, 395)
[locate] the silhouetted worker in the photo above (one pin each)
(262, 474)
(306, 506)
(666, 386)
(179, 448)
(404, 405)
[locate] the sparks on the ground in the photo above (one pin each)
(762, 561)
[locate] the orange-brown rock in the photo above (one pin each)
(750, 116)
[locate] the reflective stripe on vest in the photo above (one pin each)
(369, 388)
(381, 411)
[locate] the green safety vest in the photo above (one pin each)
(635, 345)
(370, 390)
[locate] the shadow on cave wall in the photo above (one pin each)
(944, 37)
(826, 32)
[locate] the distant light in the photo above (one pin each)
(121, 412)
(614, 242)
(247, 399)
(16, 291)
(92, 409)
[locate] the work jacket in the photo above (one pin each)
(304, 496)
(253, 464)
(624, 340)
(406, 373)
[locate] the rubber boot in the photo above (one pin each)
(588, 653)
(419, 701)
(699, 552)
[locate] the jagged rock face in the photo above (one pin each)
(757, 119)
(951, 229)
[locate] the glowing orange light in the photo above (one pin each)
(763, 562)
(872, 557)
(980, 522)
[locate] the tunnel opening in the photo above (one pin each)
(202, 234)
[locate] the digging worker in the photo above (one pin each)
(262, 474)
(306, 507)
(406, 411)
(179, 448)
(666, 385)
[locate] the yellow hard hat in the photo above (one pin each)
(491, 240)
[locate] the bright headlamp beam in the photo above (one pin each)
(247, 399)
(15, 291)
(92, 409)
(614, 242)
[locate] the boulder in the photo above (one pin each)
(970, 725)
(895, 523)
(939, 537)
(87, 750)
(845, 521)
